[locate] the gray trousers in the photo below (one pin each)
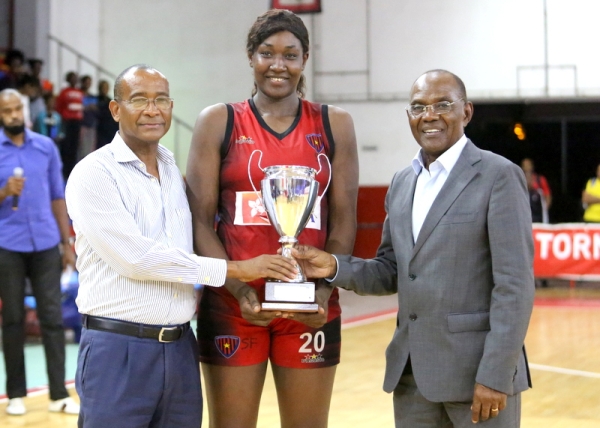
(412, 410)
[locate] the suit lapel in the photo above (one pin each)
(406, 204)
(462, 173)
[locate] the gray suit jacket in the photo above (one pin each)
(465, 288)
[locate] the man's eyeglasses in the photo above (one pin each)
(443, 107)
(142, 103)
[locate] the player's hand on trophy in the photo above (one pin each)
(265, 266)
(319, 318)
(247, 298)
(314, 262)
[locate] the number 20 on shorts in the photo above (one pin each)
(317, 341)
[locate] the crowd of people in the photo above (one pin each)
(74, 118)
(457, 248)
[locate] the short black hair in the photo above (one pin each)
(12, 55)
(117, 89)
(461, 85)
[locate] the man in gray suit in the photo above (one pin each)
(457, 247)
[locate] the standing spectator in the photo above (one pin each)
(37, 105)
(87, 142)
(457, 247)
(13, 60)
(591, 199)
(26, 88)
(540, 196)
(107, 126)
(69, 105)
(35, 68)
(35, 228)
(48, 122)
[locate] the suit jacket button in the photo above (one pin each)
(412, 317)
(412, 276)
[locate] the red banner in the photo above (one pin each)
(568, 250)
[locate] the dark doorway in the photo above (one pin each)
(563, 139)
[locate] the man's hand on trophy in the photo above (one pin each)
(265, 266)
(314, 262)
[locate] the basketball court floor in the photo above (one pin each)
(563, 345)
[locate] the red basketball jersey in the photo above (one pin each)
(244, 227)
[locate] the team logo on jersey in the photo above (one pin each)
(249, 211)
(314, 358)
(227, 345)
(316, 142)
(244, 140)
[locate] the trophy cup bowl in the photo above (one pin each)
(289, 194)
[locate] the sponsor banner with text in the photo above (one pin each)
(567, 250)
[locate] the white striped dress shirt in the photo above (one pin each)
(134, 239)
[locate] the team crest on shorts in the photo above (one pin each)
(316, 142)
(314, 358)
(227, 345)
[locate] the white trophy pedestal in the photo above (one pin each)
(290, 296)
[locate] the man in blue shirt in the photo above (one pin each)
(34, 243)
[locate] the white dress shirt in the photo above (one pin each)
(134, 239)
(430, 182)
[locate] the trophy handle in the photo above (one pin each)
(320, 168)
(259, 167)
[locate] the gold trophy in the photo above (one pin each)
(289, 194)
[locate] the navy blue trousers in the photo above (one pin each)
(124, 381)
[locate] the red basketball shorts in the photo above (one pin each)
(227, 339)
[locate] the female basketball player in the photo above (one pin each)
(237, 338)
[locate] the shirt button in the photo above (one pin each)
(207, 279)
(180, 279)
(412, 277)
(175, 295)
(169, 234)
(412, 317)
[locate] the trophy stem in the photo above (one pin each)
(287, 244)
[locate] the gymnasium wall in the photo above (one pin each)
(365, 54)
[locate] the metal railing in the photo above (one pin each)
(81, 60)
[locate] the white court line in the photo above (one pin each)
(564, 371)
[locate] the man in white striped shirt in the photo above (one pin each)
(138, 358)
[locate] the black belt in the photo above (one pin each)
(145, 331)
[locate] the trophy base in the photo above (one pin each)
(290, 307)
(290, 296)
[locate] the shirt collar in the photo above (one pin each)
(28, 137)
(124, 154)
(447, 159)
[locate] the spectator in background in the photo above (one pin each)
(87, 142)
(35, 68)
(35, 228)
(69, 105)
(37, 105)
(540, 196)
(591, 199)
(13, 61)
(26, 88)
(48, 122)
(106, 126)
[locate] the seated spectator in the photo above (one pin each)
(591, 199)
(540, 196)
(13, 61)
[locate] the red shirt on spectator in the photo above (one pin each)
(539, 182)
(69, 104)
